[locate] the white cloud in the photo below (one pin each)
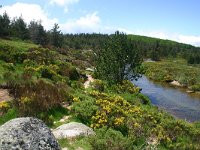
(194, 40)
(29, 12)
(63, 3)
(188, 39)
(88, 23)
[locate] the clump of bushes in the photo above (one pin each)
(84, 109)
(66, 69)
(145, 125)
(98, 85)
(11, 54)
(39, 96)
(126, 86)
(109, 139)
(42, 56)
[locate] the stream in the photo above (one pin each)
(177, 102)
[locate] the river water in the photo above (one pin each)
(176, 101)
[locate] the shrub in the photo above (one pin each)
(42, 56)
(109, 139)
(84, 110)
(4, 106)
(66, 69)
(195, 87)
(98, 85)
(126, 86)
(10, 54)
(39, 96)
(77, 85)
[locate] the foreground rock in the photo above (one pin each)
(72, 130)
(27, 133)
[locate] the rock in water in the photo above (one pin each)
(27, 134)
(72, 130)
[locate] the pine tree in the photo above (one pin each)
(56, 36)
(118, 60)
(19, 28)
(4, 25)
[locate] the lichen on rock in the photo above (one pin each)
(27, 133)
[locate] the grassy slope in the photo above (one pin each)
(18, 44)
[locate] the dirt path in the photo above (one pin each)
(4, 95)
(89, 80)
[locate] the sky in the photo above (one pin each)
(176, 20)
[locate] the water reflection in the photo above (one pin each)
(176, 101)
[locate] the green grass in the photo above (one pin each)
(58, 112)
(18, 44)
(73, 144)
(174, 69)
(11, 114)
(2, 70)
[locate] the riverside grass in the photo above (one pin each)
(168, 70)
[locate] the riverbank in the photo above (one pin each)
(175, 72)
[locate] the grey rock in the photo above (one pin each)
(72, 130)
(27, 134)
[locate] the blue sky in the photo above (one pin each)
(167, 19)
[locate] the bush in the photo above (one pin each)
(84, 110)
(4, 106)
(77, 85)
(36, 97)
(109, 139)
(10, 54)
(195, 87)
(98, 85)
(42, 56)
(126, 86)
(66, 69)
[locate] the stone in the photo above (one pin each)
(190, 91)
(72, 130)
(89, 69)
(176, 83)
(28, 134)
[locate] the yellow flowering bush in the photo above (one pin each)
(76, 99)
(4, 106)
(127, 86)
(112, 110)
(25, 105)
(98, 85)
(25, 100)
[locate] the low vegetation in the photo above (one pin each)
(168, 70)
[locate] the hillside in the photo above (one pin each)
(48, 84)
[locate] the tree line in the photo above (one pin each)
(34, 31)
(153, 48)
